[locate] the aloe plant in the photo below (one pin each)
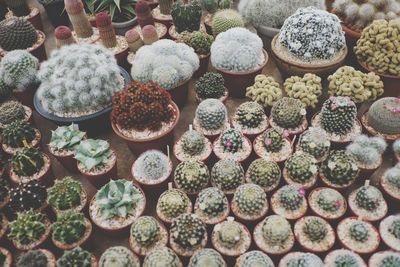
(66, 137)
(119, 10)
(93, 153)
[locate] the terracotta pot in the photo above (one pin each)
(35, 143)
(78, 243)
(290, 68)
(35, 19)
(371, 131)
(377, 217)
(392, 198)
(333, 254)
(37, 243)
(26, 96)
(245, 161)
(167, 221)
(204, 59)
(278, 157)
(249, 221)
(237, 82)
(138, 146)
(68, 160)
(205, 158)
(39, 50)
(8, 261)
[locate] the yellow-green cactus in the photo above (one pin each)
(265, 90)
(307, 89)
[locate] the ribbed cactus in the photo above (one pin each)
(288, 113)
(75, 257)
(290, 197)
(134, 40)
(276, 230)
(301, 167)
(29, 227)
(188, 231)
(390, 261)
(191, 176)
(145, 231)
(250, 115)
(210, 85)
(17, 33)
(173, 203)
(229, 234)
(394, 228)
(339, 168)
(250, 199)
(143, 14)
(254, 258)
(193, 143)
(165, 6)
(368, 198)
(32, 258)
(227, 174)
(273, 140)
(315, 142)
(78, 18)
(63, 36)
(186, 15)
(164, 256)
(226, 19)
(19, 8)
(212, 202)
(206, 257)
(118, 256)
(329, 200)
(315, 229)
(69, 228)
(264, 173)
(384, 115)
(106, 30)
(231, 140)
(28, 161)
(65, 193)
(18, 134)
(150, 35)
(211, 114)
(359, 231)
(151, 165)
(11, 111)
(26, 196)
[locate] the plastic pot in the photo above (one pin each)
(57, 14)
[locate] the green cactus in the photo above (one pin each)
(250, 115)
(394, 228)
(226, 19)
(346, 260)
(338, 115)
(206, 257)
(276, 230)
(162, 256)
(290, 197)
(118, 256)
(340, 168)
(210, 85)
(65, 193)
(264, 173)
(188, 231)
(173, 203)
(250, 199)
(368, 197)
(26, 196)
(305, 260)
(212, 202)
(301, 167)
(152, 165)
(231, 140)
(11, 111)
(212, 6)
(315, 142)
(211, 114)
(254, 258)
(383, 117)
(229, 234)
(29, 227)
(329, 201)
(186, 15)
(315, 229)
(191, 176)
(28, 161)
(69, 228)
(198, 40)
(18, 134)
(145, 231)
(66, 137)
(32, 258)
(273, 140)
(390, 261)
(193, 143)
(17, 33)
(76, 257)
(5, 90)
(359, 231)
(288, 112)
(227, 174)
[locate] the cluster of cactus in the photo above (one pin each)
(145, 231)
(329, 201)
(191, 176)
(359, 86)
(93, 153)
(210, 85)
(75, 257)
(152, 165)
(338, 115)
(305, 259)
(394, 228)
(288, 112)
(229, 234)
(384, 115)
(346, 260)
(312, 35)
(28, 161)
(186, 15)
(254, 258)
(315, 142)
(66, 137)
(264, 173)
(250, 199)
(226, 19)
(276, 230)
(290, 197)
(212, 202)
(65, 193)
(301, 167)
(11, 111)
(193, 143)
(164, 256)
(265, 90)
(200, 41)
(117, 256)
(359, 231)
(250, 115)
(390, 261)
(211, 114)
(340, 168)
(315, 229)
(273, 140)
(393, 176)
(18, 134)
(26, 196)
(28, 227)
(173, 203)
(206, 257)
(69, 227)
(17, 33)
(368, 198)
(307, 89)
(32, 258)
(232, 140)
(4, 190)
(212, 6)
(227, 174)
(188, 231)
(367, 150)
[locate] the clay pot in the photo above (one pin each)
(78, 243)
(37, 243)
(317, 213)
(8, 261)
(245, 160)
(205, 158)
(237, 82)
(38, 50)
(371, 131)
(204, 59)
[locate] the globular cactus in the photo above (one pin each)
(288, 113)
(63, 36)
(359, 231)
(193, 143)
(118, 256)
(254, 258)
(265, 91)
(150, 35)
(227, 174)
(143, 14)
(78, 18)
(367, 150)
(145, 231)
(231, 140)
(264, 173)
(210, 85)
(301, 167)
(152, 165)
(65, 194)
(384, 115)
(198, 40)
(329, 201)
(134, 40)
(29, 227)
(173, 203)
(211, 114)
(338, 115)
(106, 30)
(315, 229)
(307, 89)
(165, 6)
(273, 140)
(393, 177)
(212, 202)
(191, 176)
(17, 33)
(212, 6)
(368, 198)
(19, 8)
(27, 162)
(226, 19)
(26, 196)
(186, 15)
(250, 115)
(164, 255)
(69, 227)
(32, 258)
(250, 199)
(188, 231)
(18, 134)
(291, 197)
(11, 111)
(390, 261)
(276, 230)
(394, 228)
(229, 233)
(346, 259)
(302, 259)
(75, 257)
(315, 142)
(339, 168)
(206, 257)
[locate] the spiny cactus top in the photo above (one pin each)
(28, 227)
(301, 259)
(11, 111)
(193, 143)
(288, 113)
(210, 85)
(368, 202)
(275, 232)
(151, 166)
(211, 205)
(206, 257)
(66, 137)
(93, 154)
(315, 142)
(198, 40)
(327, 202)
(70, 227)
(188, 232)
(191, 176)
(273, 140)
(250, 115)
(224, 20)
(312, 35)
(165, 62)
(315, 233)
(17, 33)
(26, 196)
(78, 80)
(340, 169)
(75, 257)
(18, 134)
(146, 231)
(211, 6)
(291, 197)
(231, 140)
(237, 50)
(385, 259)
(231, 238)
(164, 256)
(173, 203)
(264, 173)
(391, 181)
(344, 257)
(118, 256)
(186, 15)
(33, 258)
(384, 115)
(249, 201)
(227, 175)
(29, 164)
(254, 258)
(367, 150)
(65, 194)
(301, 168)
(211, 114)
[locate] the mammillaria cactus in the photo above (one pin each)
(315, 229)
(143, 13)
(250, 115)
(188, 231)
(307, 89)
(301, 259)
(198, 40)
(273, 140)
(152, 63)
(173, 203)
(265, 90)
(237, 50)
(367, 150)
(63, 36)
(264, 173)
(17, 33)
(250, 201)
(276, 230)
(394, 228)
(339, 168)
(368, 198)
(93, 153)
(301, 168)
(75, 257)
(291, 197)
(11, 111)
(288, 113)
(78, 18)
(145, 231)
(206, 257)
(210, 85)
(164, 255)
(359, 231)
(27, 162)
(254, 258)
(314, 141)
(229, 233)
(390, 261)
(18, 134)
(231, 140)
(66, 137)
(26, 196)
(384, 115)
(69, 228)
(191, 176)
(33, 258)
(65, 194)
(193, 143)
(211, 114)
(227, 175)
(211, 204)
(226, 19)
(28, 228)
(392, 177)
(329, 200)
(186, 15)
(151, 165)
(118, 256)
(134, 40)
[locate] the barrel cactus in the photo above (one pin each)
(359, 231)
(118, 256)
(339, 168)
(211, 202)
(301, 168)
(65, 194)
(17, 33)
(206, 257)
(200, 41)
(28, 227)
(368, 197)
(75, 257)
(69, 228)
(315, 142)
(145, 231)
(227, 175)
(291, 197)
(193, 143)
(254, 258)
(187, 231)
(273, 140)
(229, 233)
(226, 19)
(384, 115)
(211, 114)
(250, 115)
(315, 229)
(173, 203)
(210, 85)
(186, 15)
(191, 176)
(276, 230)
(232, 140)
(18, 134)
(392, 176)
(152, 165)
(264, 173)
(250, 199)
(288, 113)
(164, 256)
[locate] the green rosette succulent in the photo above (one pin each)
(66, 137)
(93, 153)
(191, 176)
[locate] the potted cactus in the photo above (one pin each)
(211, 85)
(384, 258)
(396, 150)
(37, 257)
(3, 225)
(289, 114)
(227, 174)
(27, 196)
(265, 91)
(314, 234)
(30, 164)
(171, 204)
(24, 10)
(233, 144)
(211, 206)
(83, 30)
(152, 170)
(327, 203)
(339, 170)
(192, 145)
(117, 205)
(301, 169)
(96, 161)
(289, 201)
(273, 145)
(4, 193)
(186, 16)
(211, 7)
(343, 257)
(77, 257)
(118, 256)
(6, 258)
(66, 194)
(250, 118)
(254, 257)
(191, 177)
(164, 255)
(12, 110)
(147, 124)
(368, 203)
(211, 118)
(187, 234)
(390, 183)
(63, 142)
(162, 13)
(274, 235)
(300, 259)
(389, 229)
(315, 142)
(147, 234)
(19, 134)
(264, 173)
(207, 257)
(29, 230)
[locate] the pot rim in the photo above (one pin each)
(366, 68)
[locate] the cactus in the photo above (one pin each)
(369, 198)
(26, 196)
(264, 173)
(145, 231)
(254, 258)
(193, 143)
(229, 234)
(165, 6)
(273, 140)
(93, 153)
(250, 115)
(186, 15)
(231, 140)
(210, 85)
(307, 89)
(32, 258)
(134, 40)
(18, 134)
(250, 199)
(212, 6)
(75, 257)
(315, 229)
(150, 35)
(226, 19)
(66, 137)
(198, 40)
(265, 90)
(29, 227)
(188, 231)
(106, 30)
(276, 230)
(396, 147)
(212, 202)
(143, 14)
(301, 167)
(211, 114)
(5, 90)
(390, 261)
(206, 257)
(78, 18)
(173, 203)
(304, 260)
(118, 198)
(65, 194)
(63, 36)
(237, 50)
(118, 256)
(393, 177)
(17, 33)
(315, 142)
(340, 168)
(394, 228)
(11, 111)
(291, 197)
(69, 228)
(346, 260)
(191, 176)
(27, 162)
(227, 174)
(359, 231)
(164, 255)
(384, 115)
(288, 113)
(329, 201)
(367, 151)
(152, 165)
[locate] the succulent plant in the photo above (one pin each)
(173, 203)
(11, 111)
(273, 140)
(65, 194)
(191, 176)
(211, 114)
(28, 161)
(329, 201)
(394, 228)
(66, 137)
(212, 6)
(250, 115)
(69, 228)
(118, 198)
(340, 168)
(17, 33)
(193, 143)
(29, 227)
(367, 151)
(264, 173)
(226, 19)
(4, 190)
(359, 231)
(152, 165)
(145, 231)
(227, 174)
(198, 40)
(315, 142)
(188, 231)
(134, 40)
(164, 255)
(254, 258)
(229, 233)
(384, 115)
(143, 14)
(276, 230)
(390, 261)
(63, 35)
(305, 259)
(150, 35)
(288, 112)
(118, 256)
(231, 140)
(18, 134)
(290, 197)
(210, 85)
(301, 167)
(315, 229)
(307, 89)
(212, 202)
(32, 258)
(206, 257)
(265, 90)
(346, 260)
(26, 196)
(75, 257)
(393, 176)
(186, 15)
(368, 197)
(93, 153)
(250, 199)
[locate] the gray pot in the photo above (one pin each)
(122, 27)
(267, 34)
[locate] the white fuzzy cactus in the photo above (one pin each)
(164, 62)
(238, 50)
(367, 150)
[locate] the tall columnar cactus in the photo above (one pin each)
(273, 140)
(276, 230)
(18, 134)
(384, 115)
(19, 8)
(143, 14)
(264, 173)
(191, 176)
(315, 142)
(250, 199)
(206, 257)
(186, 15)
(26, 196)
(226, 19)
(173, 203)
(75, 257)
(63, 36)
(145, 231)
(229, 234)
(17, 33)
(211, 114)
(11, 111)
(188, 231)
(152, 165)
(29, 227)
(304, 260)
(359, 231)
(340, 168)
(315, 229)
(212, 202)
(69, 228)
(28, 161)
(66, 137)
(32, 258)
(210, 85)
(78, 18)
(118, 256)
(254, 258)
(106, 30)
(134, 40)
(288, 112)
(227, 174)
(65, 193)
(162, 255)
(91, 153)
(250, 115)
(368, 198)
(193, 143)
(165, 6)
(232, 140)
(290, 197)
(301, 167)
(150, 35)
(367, 150)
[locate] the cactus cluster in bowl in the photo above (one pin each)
(211, 205)
(192, 145)
(367, 151)
(211, 117)
(249, 202)
(327, 203)
(232, 144)
(289, 202)
(227, 174)
(191, 176)
(383, 118)
(171, 204)
(315, 142)
(265, 91)
(251, 118)
(151, 167)
(307, 89)
(264, 173)
(289, 114)
(301, 169)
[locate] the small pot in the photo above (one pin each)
(331, 256)
(78, 243)
(35, 143)
(56, 13)
(278, 157)
(168, 221)
(26, 96)
(237, 82)
(370, 216)
(37, 243)
(8, 261)
(223, 98)
(205, 157)
(391, 196)
(244, 160)
(204, 59)
(390, 242)
(275, 206)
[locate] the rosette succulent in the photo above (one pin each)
(187, 231)
(211, 202)
(264, 173)
(145, 231)
(291, 197)
(250, 115)
(227, 174)
(315, 142)
(28, 227)
(191, 176)
(66, 137)
(69, 228)
(173, 203)
(301, 167)
(193, 143)
(276, 230)
(65, 194)
(93, 153)
(211, 114)
(250, 199)
(231, 140)
(75, 257)
(288, 113)
(340, 168)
